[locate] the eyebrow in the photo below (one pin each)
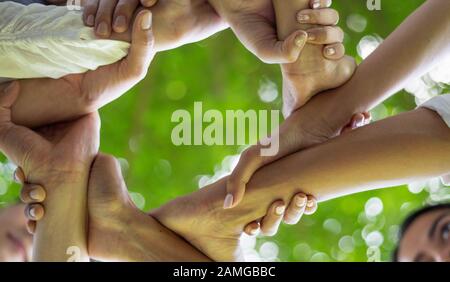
(435, 224)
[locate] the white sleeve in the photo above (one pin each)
(50, 41)
(441, 105)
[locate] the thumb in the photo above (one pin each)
(273, 51)
(142, 46)
(15, 141)
(290, 139)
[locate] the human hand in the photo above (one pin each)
(109, 205)
(268, 226)
(78, 94)
(53, 153)
(177, 22)
(112, 15)
(322, 64)
(314, 123)
(253, 22)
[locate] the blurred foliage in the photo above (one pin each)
(224, 76)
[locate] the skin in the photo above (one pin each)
(79, 94)
(416, 143)
(413, 48)
(319, 67)
(330, 170)
(419, 244)
(15, 242)
(60, 157)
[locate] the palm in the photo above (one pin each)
(63, 148)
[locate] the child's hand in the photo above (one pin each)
(111, 15)
(253, 22)
(314, 123)
(268, 226)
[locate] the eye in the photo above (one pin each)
(445, 231)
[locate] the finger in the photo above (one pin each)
(252, 229)
(325, 35)
(15, 141)
(311, 205)
(367, 117)
(291, 48)
(319, 17)
(358, 120)
(89, 12)
(103, 18)
(295, 209)
(148, 3)
(284, 141)
(334, 51)
(271, 222)
(19, 176)
(123, 14)
(32, 193)
(271, 50)
(141, 53)
(31, 226)
(319, 4)
(249, 162)
(34, 212)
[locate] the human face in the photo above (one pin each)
(15, 241)
(427, 239)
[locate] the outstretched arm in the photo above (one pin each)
(415, 47)
(416, 145)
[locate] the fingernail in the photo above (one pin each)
(300, 40)
(34, 194)
(146, 21)
(310, 204)
(311, 36)
(316, 4)
(303, 18)
(254, 232)
(120, 22)
(300, 201)
(280, 210)
(102, 28)
(331, 51)
(32, 212)
(228, 201)
(19, 176)
(360, 123)
(90, 20)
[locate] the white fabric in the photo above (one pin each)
(50, 41)
(441, 105)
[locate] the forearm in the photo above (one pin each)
(61, 235)
(143, 236)
(395, 151)
(417, 45)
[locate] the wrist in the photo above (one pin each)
(340, 106)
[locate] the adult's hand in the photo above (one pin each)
(79, 94)
(253, 22)
(58, 157)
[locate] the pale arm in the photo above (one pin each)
(409, 147)
(416, 46)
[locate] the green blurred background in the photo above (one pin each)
(224, 76)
